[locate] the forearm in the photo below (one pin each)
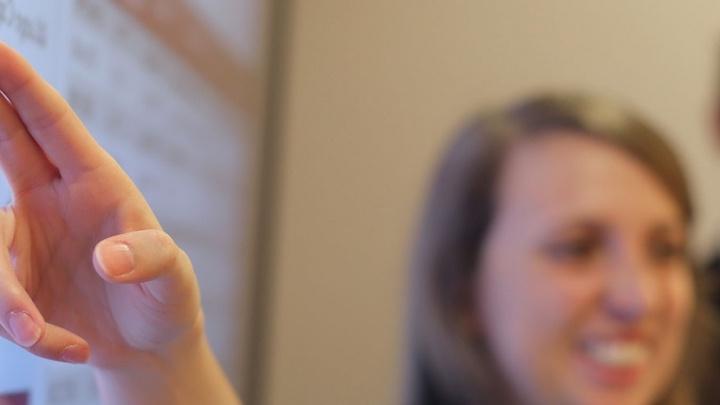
(188, 374)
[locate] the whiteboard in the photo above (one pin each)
(187, 147)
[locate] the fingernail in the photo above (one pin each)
(24, 330)
(117, 259)
(74, 354)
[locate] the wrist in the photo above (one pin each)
(183, 372)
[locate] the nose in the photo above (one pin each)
(631, 291)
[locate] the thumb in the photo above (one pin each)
(150, 258)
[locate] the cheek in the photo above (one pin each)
(563, 298)
(681, 297)
(535, 299)
(529, 313)
(679, 308)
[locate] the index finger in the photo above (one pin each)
(49, 119)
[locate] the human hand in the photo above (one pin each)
(86, 272)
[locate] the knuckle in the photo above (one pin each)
(163, 241)
(183, 259)
(12, 297)
(169, 250)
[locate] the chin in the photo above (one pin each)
(632, 388)
(603, 397)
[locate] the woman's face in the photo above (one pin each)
(584, 292)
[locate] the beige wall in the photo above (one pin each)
(375, 86)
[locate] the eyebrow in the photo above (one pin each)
(669, 230)
(589, 224)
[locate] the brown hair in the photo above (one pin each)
(449, 362)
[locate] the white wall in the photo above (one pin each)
(376, 86)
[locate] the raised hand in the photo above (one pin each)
(86, 273)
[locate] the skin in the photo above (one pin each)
(586, 247)
(87, 274)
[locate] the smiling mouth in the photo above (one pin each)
(618, 354)
(615, 363)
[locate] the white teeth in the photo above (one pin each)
(618, 354)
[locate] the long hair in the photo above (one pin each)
(449, 362)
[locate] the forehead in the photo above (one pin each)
(563, 175)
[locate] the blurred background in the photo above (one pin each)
(287, 145)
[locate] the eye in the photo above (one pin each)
(663, 251)
(575, 249)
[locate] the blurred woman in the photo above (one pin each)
(552, 264)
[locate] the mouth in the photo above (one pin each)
(614, 363)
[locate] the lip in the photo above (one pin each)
(610, 376)
(613, 376)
